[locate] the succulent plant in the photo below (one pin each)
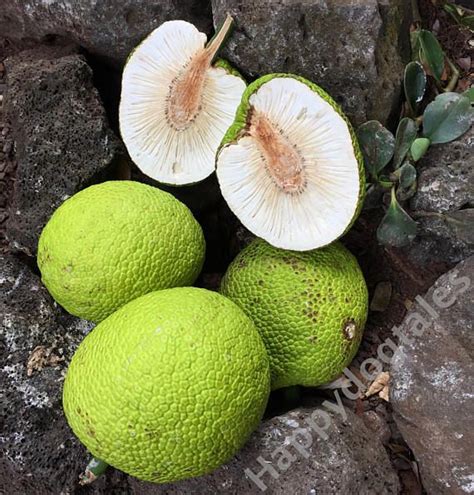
(447, 117)
(414, 83)
(444, 119)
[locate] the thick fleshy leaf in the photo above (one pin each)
(377, 144)
(415, 44)
(414, 83)
(385, 182)
(404, 194)
(468, 21)
(419, 147)
(432, 53)
(406, 134)
(407, 175)
(470, 94)
(447, 117)
(397, 228)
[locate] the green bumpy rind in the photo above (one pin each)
(170, 386)
(224, 64)
(310, 308)
(232, 134)
(115, 241)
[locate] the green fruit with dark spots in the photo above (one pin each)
(309, 307)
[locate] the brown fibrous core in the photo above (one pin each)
(185, 95)
(283, 161)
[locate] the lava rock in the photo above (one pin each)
(38, 452)
(349, 460)
(108, 29)
(354, 50)
(432, 392)
(378, 425)
(63, 142)
(443, 204)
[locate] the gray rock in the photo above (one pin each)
(105, 28)
(432, 392)
(352, 49)
(63, 142)
(446, 176)
(349, 460)
(38, 452)
(378, 425)
(443, 203)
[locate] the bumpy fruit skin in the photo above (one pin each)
(309, 307)
(115, 241)
(170, 386)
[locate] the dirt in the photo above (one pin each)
(381, 264)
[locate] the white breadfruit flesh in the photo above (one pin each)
(176, 104)
(290, 167)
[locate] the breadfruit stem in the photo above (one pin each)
(218, 40)
(93, 470)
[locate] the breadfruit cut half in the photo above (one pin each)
(176, 103)
(290, 167)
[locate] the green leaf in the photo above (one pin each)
(459, 15)
(377, 144)
(397, 228)
(453, 11)
(447, 117)
(470, 94)
(419, 148)
(468, 21)
(407, 175)
(414, 83)
(415, 44)
(432, 53)
(406, 134)
(386, 183)
(404, 194)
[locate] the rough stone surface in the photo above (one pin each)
(105, 28)
(62, 139)
(432, 392)
(352, 49)
(444, 202)
(7, 168)
(350, 460)
(38, 452)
